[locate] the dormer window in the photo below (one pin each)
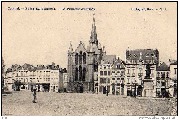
(135, 55)
(147, 55)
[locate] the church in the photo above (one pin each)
(83, 63)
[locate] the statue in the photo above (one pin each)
(148, 71)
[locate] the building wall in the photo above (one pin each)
(140, 73)
(104, 78)
(118, 81)
(173, 81)
(173, 71)
(39, 77)
(111, 76)
(83, 62)
(54, 80)
(65, 80)
(8, 82)
(96, 86)
(162, 82)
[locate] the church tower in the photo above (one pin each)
(94, 51)
(93, 37)
(70, 64)
(83, 63)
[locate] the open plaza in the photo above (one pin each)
(19, 103)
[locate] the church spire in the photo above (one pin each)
(70, 48)
(93, 37)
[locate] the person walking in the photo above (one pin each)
(34, 94)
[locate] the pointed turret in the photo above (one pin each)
(93, 37)
(140, 58)
(70, 48)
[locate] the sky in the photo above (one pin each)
(43, 37)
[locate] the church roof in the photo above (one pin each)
(81, 47)
(93, 48)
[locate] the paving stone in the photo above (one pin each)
(71, 104)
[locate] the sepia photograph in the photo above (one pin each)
(89, 59)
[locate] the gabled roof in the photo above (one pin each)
(143, 54)
(163, 67)
(119, 62)
(81, 47)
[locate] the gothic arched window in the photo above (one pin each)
(76, 74)
(84, 58)
(76, 58)
(80, 57)
(80, 73)
(84, 74)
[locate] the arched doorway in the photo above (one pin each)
(104, 89)
(80, 88)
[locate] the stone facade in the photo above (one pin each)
(46, 78)
(83, 63)
(141, 72)
(111, 76)
(162, 80)
(173, 75)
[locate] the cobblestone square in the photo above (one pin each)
(19, 103)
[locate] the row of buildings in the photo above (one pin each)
(90, 69)
(140, 74)
(45, 78)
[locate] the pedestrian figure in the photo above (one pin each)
(34, 94)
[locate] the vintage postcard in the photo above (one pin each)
(89, 59)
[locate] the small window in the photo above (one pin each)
(113, 78)
(163, 83)
(105, 72)
(128, 71)
(101, 80)
(175, 70)
(167, 75)
(101, 72)
(108, 72)
(147, 55)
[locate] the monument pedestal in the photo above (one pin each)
(148, 89)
